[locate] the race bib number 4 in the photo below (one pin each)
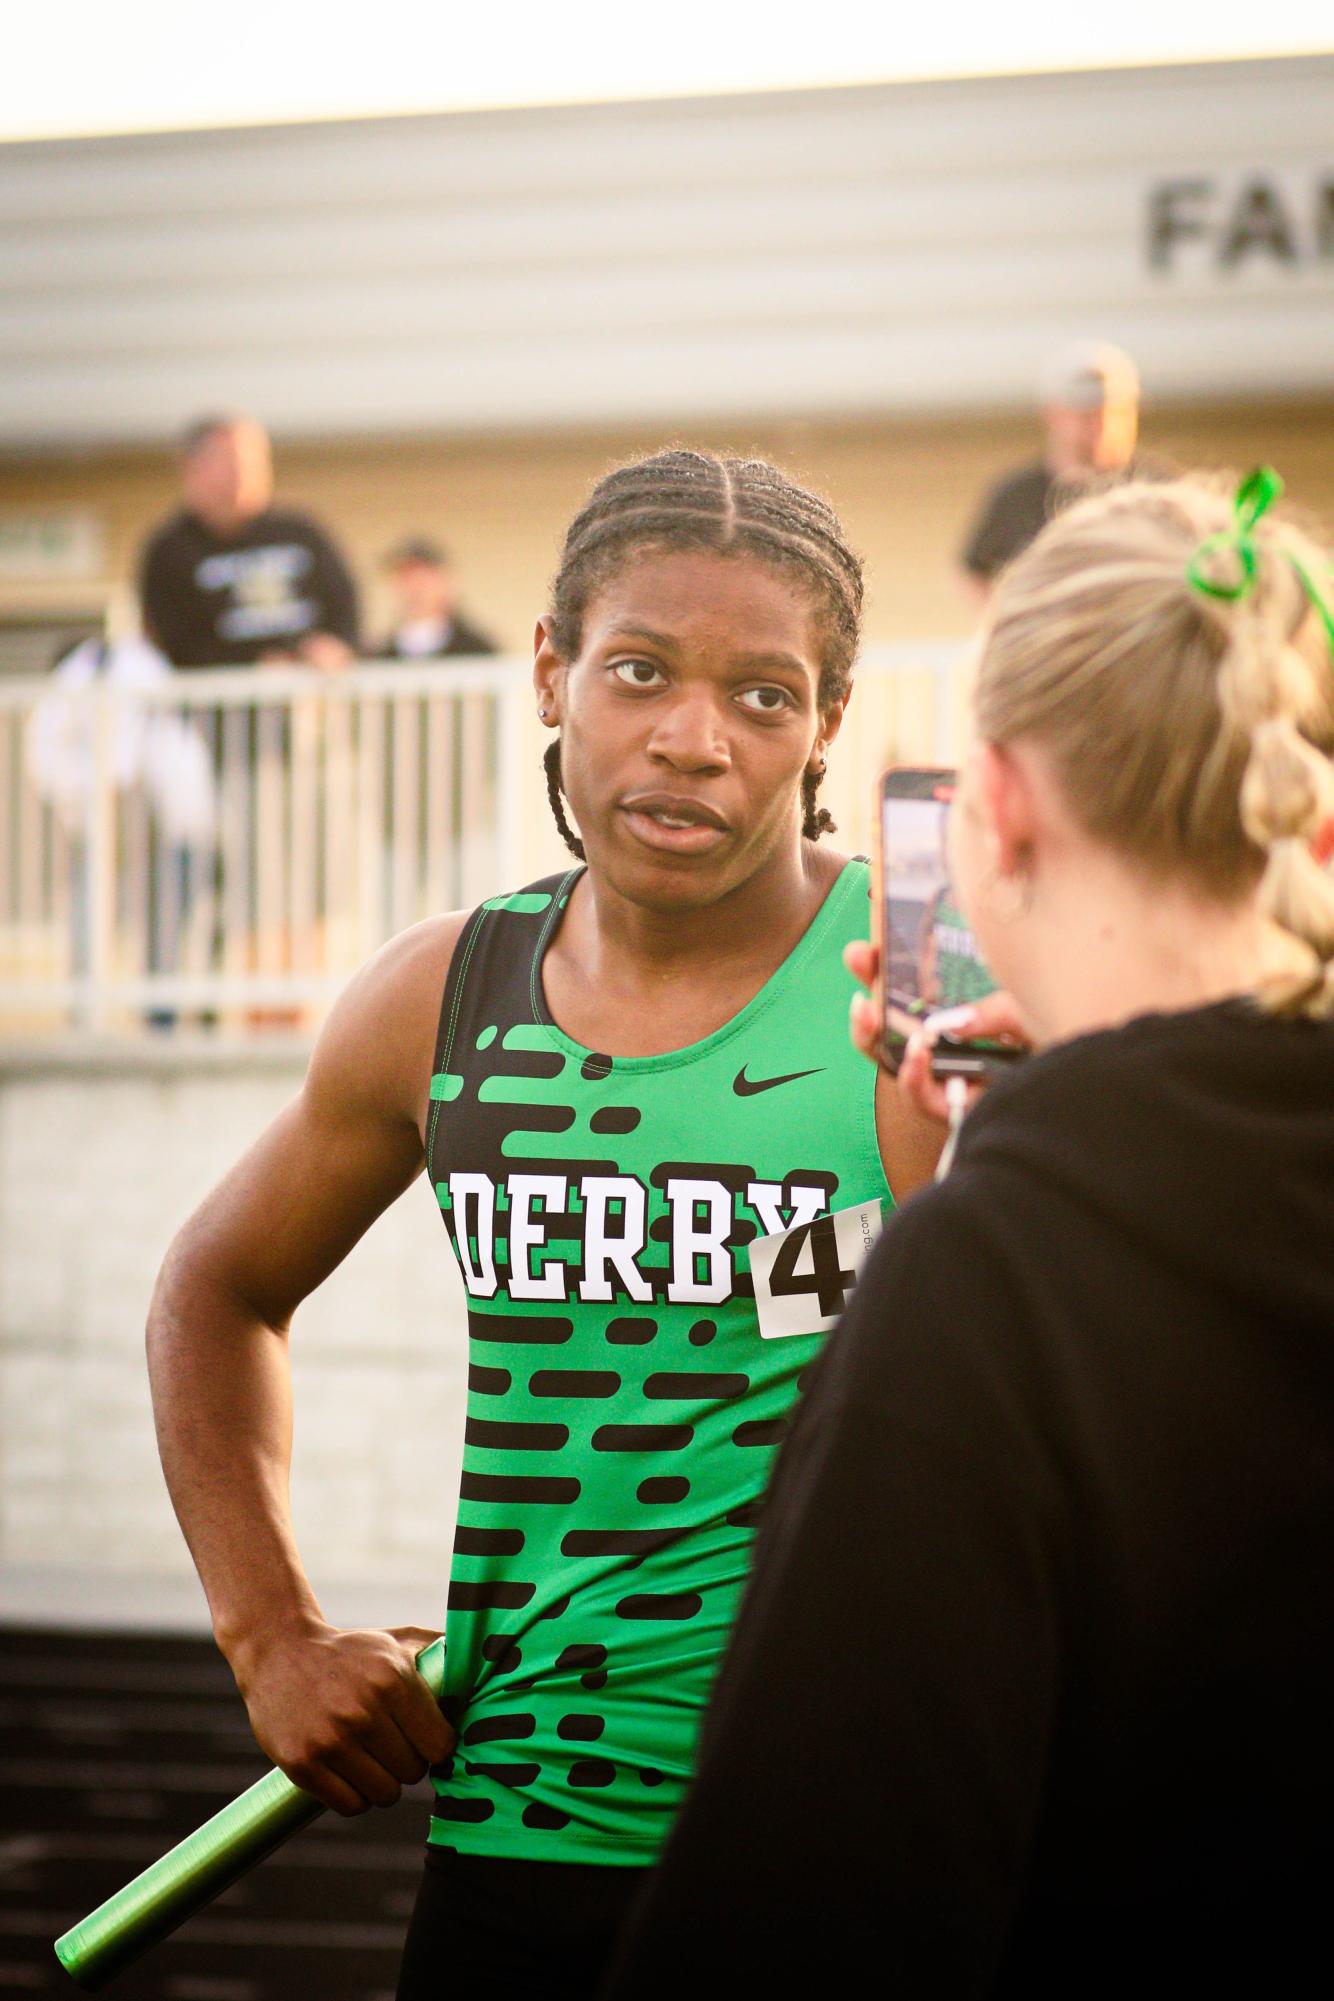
(804, 1276)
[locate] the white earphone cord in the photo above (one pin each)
(956, 1105)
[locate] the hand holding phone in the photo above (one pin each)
(929, 973)
(994, 1018)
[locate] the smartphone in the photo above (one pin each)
(928, 956)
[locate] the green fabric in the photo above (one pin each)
(589, 1606)
(960, 975)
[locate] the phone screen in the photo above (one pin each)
(929, 955)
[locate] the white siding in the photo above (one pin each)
(871, 249)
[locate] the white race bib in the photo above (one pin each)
(804, 1276)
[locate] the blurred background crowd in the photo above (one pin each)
(314, 396)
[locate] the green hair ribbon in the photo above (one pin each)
(1253, 498)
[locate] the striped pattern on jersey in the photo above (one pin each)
(623, 1410)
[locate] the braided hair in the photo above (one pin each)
(1191, 733)
(681, 499)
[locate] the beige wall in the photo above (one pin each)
(115, 1154)
(905, 490)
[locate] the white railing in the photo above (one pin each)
(232, 844)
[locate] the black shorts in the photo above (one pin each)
(513, 1931)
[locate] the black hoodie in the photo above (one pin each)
(1032, 1692)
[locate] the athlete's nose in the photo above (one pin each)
(689, 735)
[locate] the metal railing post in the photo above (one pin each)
(99, 863)
(511, 778)
(944, 747)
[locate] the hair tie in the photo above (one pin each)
(1253, 498)
(1320, 603)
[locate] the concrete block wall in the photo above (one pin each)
(101, 1158)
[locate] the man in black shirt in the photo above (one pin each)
(230, 579)
(1090, 408)
(428, 624)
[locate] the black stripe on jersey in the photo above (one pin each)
(518, 1487)
(534, 1329)
(489, 1597)
(488, 1382)
(492, 1729)
(497, 1437)
(487, 1542)
(638, 1543)
(642, 1437)
(761, 1431)
(660, 1605)
(686, 1387)
(574, 1383)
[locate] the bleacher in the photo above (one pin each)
(113, 1747)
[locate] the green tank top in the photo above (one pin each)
(623, 1408)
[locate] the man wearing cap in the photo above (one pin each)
(1090, 410)
(428, 625)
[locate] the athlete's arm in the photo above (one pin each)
(911, 1143)
(343, 1713)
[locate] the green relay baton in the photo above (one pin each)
(201, 1867)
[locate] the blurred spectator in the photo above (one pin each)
(230, 579)
(148, 748)
(428, 624)
(1090, 410)
(147, 744)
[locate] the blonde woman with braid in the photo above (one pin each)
(1033, 1690)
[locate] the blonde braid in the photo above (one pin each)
(1276, 684)
(1185, 688)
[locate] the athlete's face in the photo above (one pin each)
(687, 721)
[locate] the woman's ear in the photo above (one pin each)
(548, 675)
(1004, 791)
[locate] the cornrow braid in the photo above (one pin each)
(815, 820)
(682, 499)
(551, 765)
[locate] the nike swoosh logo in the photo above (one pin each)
(746, 1087)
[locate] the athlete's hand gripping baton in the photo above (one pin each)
(201, 1867)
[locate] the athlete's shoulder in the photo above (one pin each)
(851, 868)
(415, 964)
(849, 882)
(376, 1046)
(829, 868)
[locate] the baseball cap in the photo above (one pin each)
(1087, 375)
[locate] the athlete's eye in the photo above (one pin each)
(766, 701)
(638, 674)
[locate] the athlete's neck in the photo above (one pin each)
(638, 980)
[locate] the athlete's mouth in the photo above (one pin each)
(674, 812)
